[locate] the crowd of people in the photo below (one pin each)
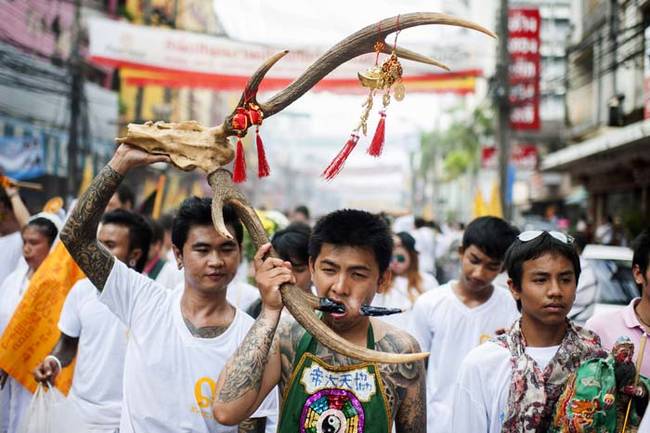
(168, 333)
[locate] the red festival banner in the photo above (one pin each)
(524, 73)
(174, 58)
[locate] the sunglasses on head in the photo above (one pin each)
(399, 258)
(534, 234)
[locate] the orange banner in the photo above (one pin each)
(459, 82)
(33, 331)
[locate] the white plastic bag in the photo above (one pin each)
(50, 412)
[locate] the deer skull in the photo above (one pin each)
(190, 145)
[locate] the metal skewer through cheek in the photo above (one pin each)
(369, 310)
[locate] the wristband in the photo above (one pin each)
(58, 362)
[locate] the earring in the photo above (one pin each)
(132, 263)
(180, 266)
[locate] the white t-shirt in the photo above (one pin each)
(448, 329)
(481, 392)
(12, 290)
(12, 398)
(11, 246)
(97, 382)
(169, 375)
(239, 293)
(397, 297)
(170, 276)
(425, 244)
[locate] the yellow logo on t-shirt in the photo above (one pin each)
(483, 338)
(204, 391)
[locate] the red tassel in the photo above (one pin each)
(337, 163)
(263, 168)
(239, 168)
(377, 144)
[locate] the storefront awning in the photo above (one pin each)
(613, 140)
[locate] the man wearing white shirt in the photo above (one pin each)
(456, 317)
(511, 384)
(178, 340)
(13, 217)
(94, 335)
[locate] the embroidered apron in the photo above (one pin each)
(321, 398)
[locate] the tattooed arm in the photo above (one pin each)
(252, 425)
(254, 369)
(406, 383)
(79, 234)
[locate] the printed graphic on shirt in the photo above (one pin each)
(332, 411)
(204, 391)
(483, 338)
(359, 381)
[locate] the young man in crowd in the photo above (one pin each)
(349, 254)
(158, 267)
(300, 215)
(13, 217)
(178, 340)
(92, 334)
(512, 383)
(292, 245)
(454, 318)
(123, 198)
(634, 320)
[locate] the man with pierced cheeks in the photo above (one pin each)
(349, 254)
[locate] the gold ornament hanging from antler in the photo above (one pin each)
(190, 145)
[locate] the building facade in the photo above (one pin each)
(608, 140)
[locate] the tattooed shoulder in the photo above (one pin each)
(399, 378)
(287, 337)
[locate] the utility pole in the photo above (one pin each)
(76, 96)
(139, 96)
(502, 99)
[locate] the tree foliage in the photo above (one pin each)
(459, 146)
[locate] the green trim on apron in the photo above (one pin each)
(153, 274)
(321, 398)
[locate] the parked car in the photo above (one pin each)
(613, 269)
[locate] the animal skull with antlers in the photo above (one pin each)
(190, 145)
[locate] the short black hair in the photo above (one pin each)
(44, 227)
(292, 242)
(157, 231)
(354, 228)
(491, 235)
(641, 247)
(196, 211)
(303, 210)
(520, 252)
(140, 232)
(125, 194)
(166, 221)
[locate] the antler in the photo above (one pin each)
(298, 304)
(190, 146)
(361, 42)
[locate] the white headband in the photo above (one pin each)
(53, 218)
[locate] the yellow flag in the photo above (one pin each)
(160, 191)
(33, 331)
(491, 207)
(87, 175)
(494, 208)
